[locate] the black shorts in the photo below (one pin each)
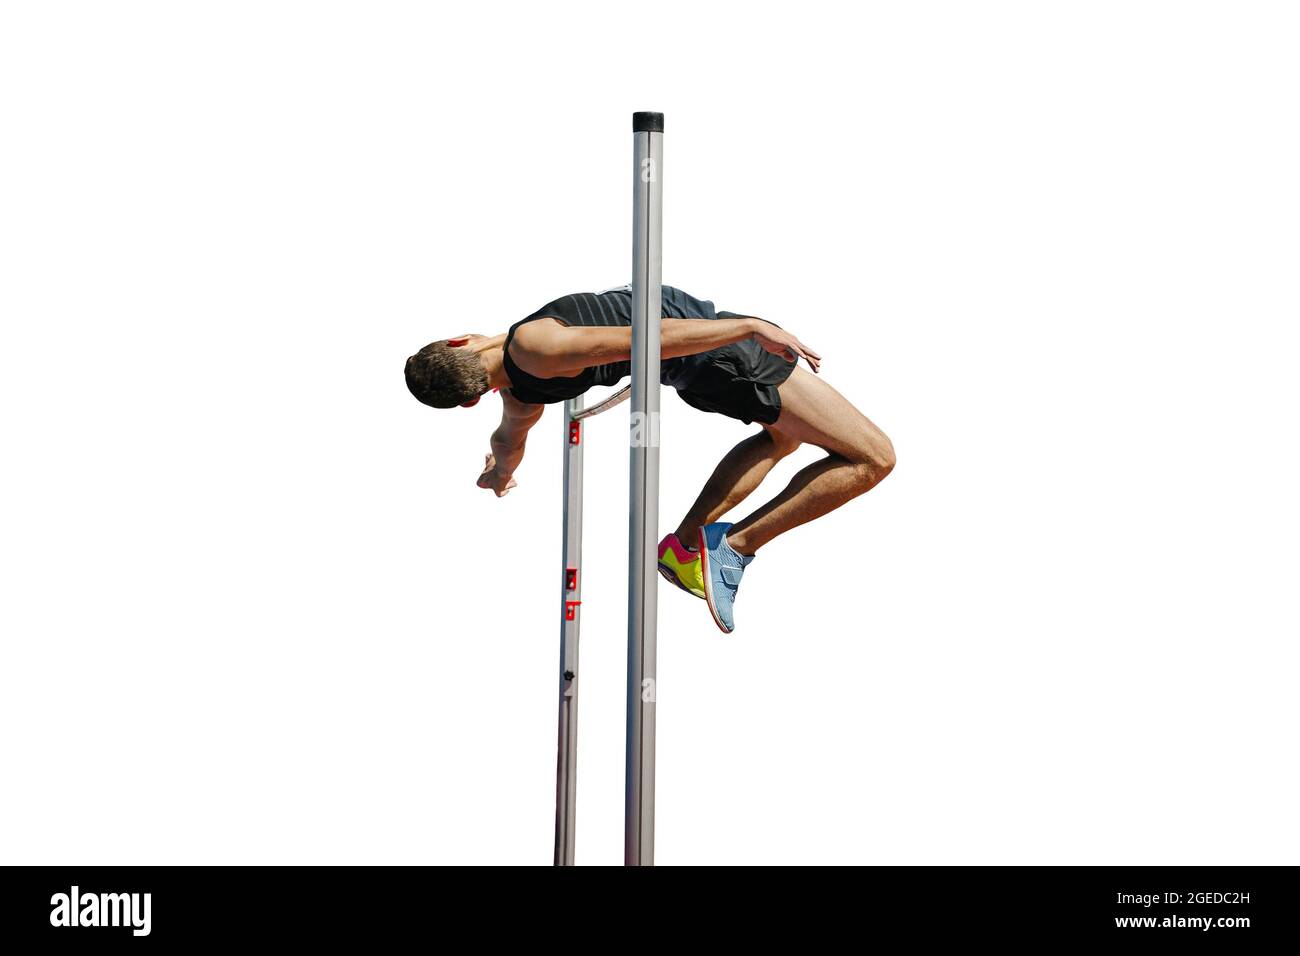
(738, 380)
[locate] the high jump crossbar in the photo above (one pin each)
(643, 523)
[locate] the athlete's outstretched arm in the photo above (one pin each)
(551, 349)
(508, 444)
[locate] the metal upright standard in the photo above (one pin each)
(566, 772)
(642, 592)
(643, 527)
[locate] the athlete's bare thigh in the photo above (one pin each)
(814, 412)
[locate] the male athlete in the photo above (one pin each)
(739, 366)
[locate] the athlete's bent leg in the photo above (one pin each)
(741, 471)
(860, 456)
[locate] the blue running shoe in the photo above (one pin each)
(722, 569)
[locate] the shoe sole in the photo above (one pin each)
(669, 575)
(708, 581)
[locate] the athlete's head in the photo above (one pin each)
(445, 373)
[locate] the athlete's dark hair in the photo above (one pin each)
(445, 377)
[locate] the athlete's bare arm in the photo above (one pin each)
(550, 348)
(508, 444)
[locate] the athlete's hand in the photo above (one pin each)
(493, 480)
(780, 342)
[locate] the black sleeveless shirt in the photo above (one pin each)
(610, 308)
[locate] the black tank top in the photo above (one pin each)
(610, 308)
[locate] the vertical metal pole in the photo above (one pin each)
(642, 591)
(566, 763)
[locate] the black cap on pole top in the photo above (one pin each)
(647, 122)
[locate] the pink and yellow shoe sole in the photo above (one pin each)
(680, 566)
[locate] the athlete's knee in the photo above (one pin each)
(885, 458)
(874, 457)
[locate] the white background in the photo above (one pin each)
(255, 609)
